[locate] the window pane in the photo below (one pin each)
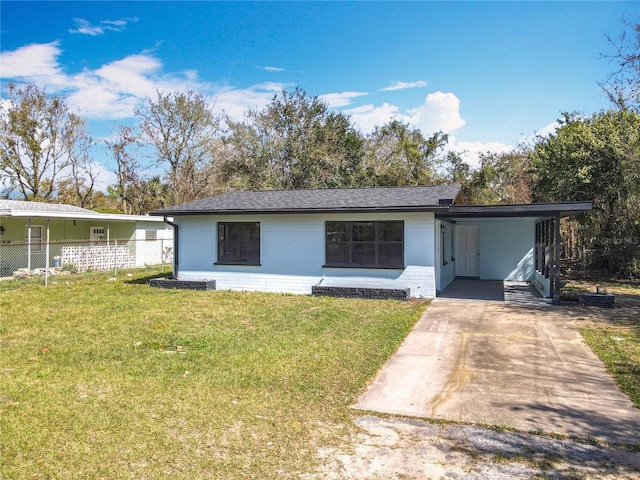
(364, 232)
(337, 253)
(390, 231)
(249, 232)
(239, 242)
(250, 252)
(228, 252)
(336, 231)
(390, 254)
(364, 253)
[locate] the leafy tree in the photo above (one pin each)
(502, 178)
(183, 131)
(398, 154)
(294, 142)
(597, 158)
(40, 141)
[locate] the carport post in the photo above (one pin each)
(556, 271)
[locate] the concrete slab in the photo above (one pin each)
(492, 290)
(519, 365)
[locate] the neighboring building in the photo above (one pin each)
(32, 232)
(416, 238)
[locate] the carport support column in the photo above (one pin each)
(556, 261)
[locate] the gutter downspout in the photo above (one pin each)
(175, 246)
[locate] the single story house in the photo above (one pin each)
(34, 235)
(417, 239)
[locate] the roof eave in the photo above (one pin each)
(564, 209)
(289, 211)
(76, 216)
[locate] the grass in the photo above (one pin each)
(113, 379)
(615, 334)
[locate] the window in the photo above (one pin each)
(239, 243)
(365, 244)
(35, 238)
(150, 235)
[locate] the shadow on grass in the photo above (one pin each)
(145, 280)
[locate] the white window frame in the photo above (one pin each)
(34, 242)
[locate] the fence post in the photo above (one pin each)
(115, 257)
(46, 260)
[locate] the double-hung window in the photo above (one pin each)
(365, 244)
(239, 243)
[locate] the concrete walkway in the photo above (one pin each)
(524, 366)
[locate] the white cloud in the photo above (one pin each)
(104, 177)
(36, 61)
(470, 151)
(340, 99)
(111, 91)
(235, 102)
(545, 131)
(84, 27)
(367, 117)
(273, 69)
(114, 90)
(440, 111)
(404, 85)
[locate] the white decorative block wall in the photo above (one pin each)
(99, 257)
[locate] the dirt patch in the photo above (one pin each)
(401, 448)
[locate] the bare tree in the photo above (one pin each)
(127, 168)
(623, 85)
(183, 130)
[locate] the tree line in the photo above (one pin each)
(182, 149)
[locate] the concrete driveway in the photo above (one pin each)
(524, 366)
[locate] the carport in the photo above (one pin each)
(508, 243)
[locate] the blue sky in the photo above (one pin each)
(487, 73)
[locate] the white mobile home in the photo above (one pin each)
(37, 235)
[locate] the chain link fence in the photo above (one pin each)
(25, 259)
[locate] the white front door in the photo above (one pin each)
(96, 235)
(466, 251)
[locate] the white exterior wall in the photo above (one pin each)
(150, 252)
(445, 273)
(506, 248)
(292, 251)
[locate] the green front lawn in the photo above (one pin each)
(114, 379)
(614, 334)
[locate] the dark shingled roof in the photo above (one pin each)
(324, 200)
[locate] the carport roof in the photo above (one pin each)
(540, 210)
